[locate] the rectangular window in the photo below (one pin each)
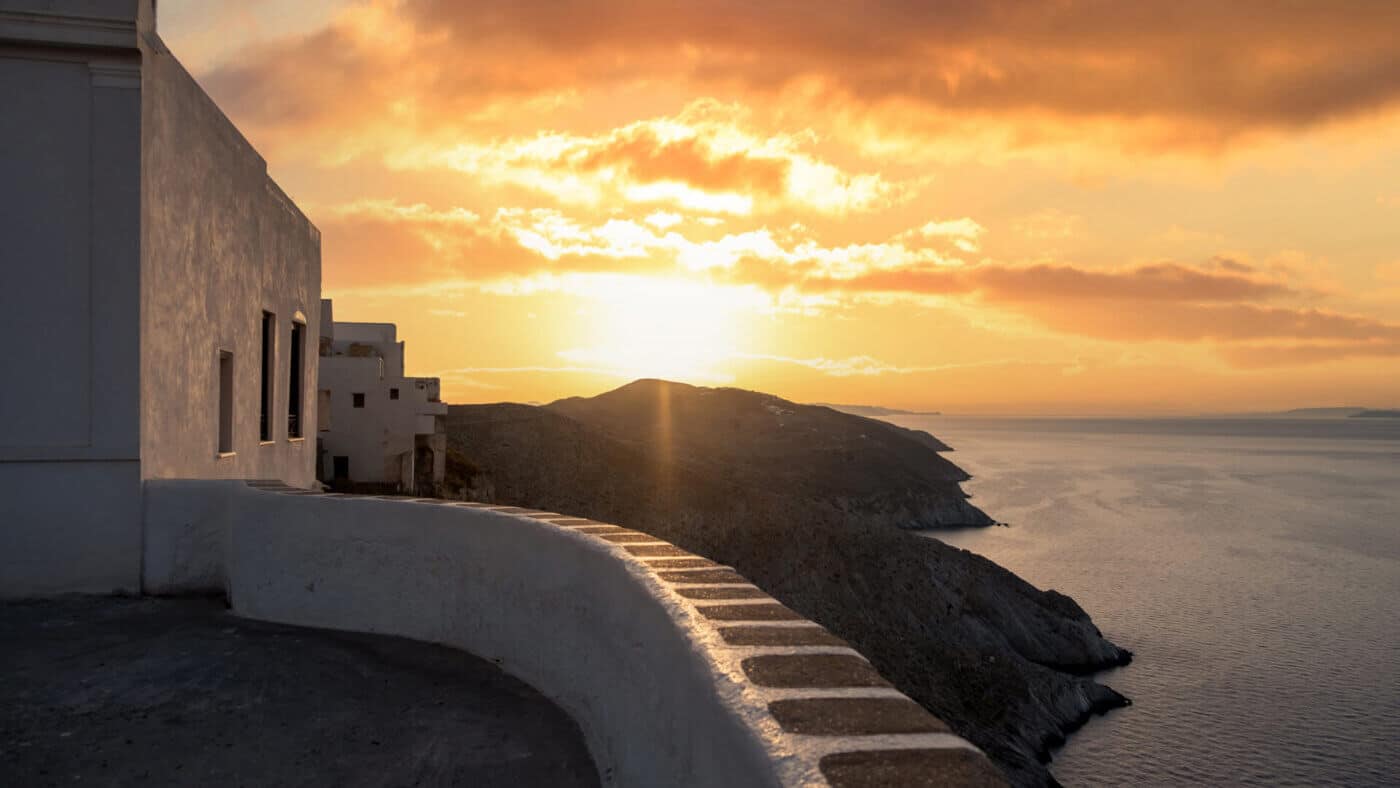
(269, 328)
(340, 467)
(393, 393)
(294, 380)
(225, 402)
(358, 400)
(323, 410)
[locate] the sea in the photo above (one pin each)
(1251, 564)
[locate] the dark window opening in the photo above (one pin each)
(341, 468)
(225, 402)
(358, 399)
(269, 327)
(294, 381)
(393, 393)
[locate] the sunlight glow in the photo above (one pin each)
(667, 328)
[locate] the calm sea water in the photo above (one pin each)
(1252, 565)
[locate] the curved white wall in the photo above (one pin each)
(615, 626)
(550, 606)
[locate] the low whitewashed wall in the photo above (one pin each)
(678, 671)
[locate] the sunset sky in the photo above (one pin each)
(1068, 206)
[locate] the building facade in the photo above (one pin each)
(167, 293)
(378, 429)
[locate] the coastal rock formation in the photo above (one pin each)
(872, 470)
(803, 500)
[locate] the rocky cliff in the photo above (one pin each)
(867, 469)
(805, 501)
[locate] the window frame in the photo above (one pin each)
(225, 414)
(268, 373)
(296, 382)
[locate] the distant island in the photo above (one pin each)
(1322, 413)
(1376, 414)
(875, 411)
(1308, 413)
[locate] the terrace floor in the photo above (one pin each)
(115, 691)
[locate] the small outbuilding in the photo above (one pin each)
(379, 430)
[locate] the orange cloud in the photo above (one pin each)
(704, 159)
(1270, 356)
(1209, 70)
(648, 158)
(1224, 303)
(1028, 284)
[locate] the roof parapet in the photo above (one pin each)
(83, 24)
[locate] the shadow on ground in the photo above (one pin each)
(163, 692)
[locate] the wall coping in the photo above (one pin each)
(69, 29)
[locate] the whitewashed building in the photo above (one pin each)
(160, 292)
(378, 429)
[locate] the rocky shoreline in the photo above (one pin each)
(813, 508)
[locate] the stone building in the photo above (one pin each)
(378, 430)
(161, 292)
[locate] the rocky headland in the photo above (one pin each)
(815, 507)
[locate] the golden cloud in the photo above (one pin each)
(1190, 72)
(1223, 302)
(703, 159)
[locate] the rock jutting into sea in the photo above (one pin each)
(814, 506)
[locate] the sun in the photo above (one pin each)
(672, 328)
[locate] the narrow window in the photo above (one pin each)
(323, 410)
(393, 393)
(358, 399)
(294, 381)
(225, 402)
(341, 467)
(269, 326)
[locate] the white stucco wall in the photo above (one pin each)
(221, 245)
(187, 525)
(69, 527)
(70, 257)
(361, 434)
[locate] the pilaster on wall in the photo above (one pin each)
(116, 253)
(73, 199)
